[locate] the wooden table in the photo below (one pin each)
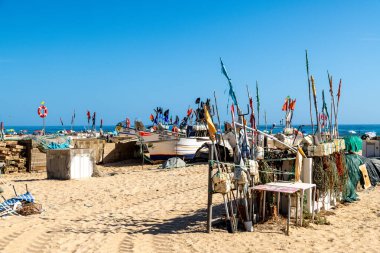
(279, 189)
(301, 187)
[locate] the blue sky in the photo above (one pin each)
(124, 58)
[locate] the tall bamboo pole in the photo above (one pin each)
(308, 81)
(337, 108)
(333, 106)
(220, 127)
(316, 108)
(258, 104)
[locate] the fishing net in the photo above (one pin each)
(352, 165)
(51, 142)
(340, 162)
(330, 174)
(353, 143)
(319, 174)
(266, 172)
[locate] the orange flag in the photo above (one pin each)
(293, 105)
(211, 127)
(285, 106)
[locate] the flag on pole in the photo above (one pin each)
(93, 119)
(285, 105)
(73, 118)
(340, 85)
(231, 91)
(313, 87)
(258, 103)
(189, 111)
(61, 121)
(176, 122)
(166, 116)
(88, 116)
(210, 124)
(101, 123)
(293, 105)
(151, 117)
(252, 117)
(324, 105)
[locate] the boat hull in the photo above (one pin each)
(182, 147)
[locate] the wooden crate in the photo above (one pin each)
(67, 164)
(35, 159)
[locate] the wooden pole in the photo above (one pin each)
(209, 198)
(308, 81)
(288, 220)
(337, 107)
(316, 108)
(220, 128)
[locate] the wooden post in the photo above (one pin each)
(209, 198)
(297, 199)
(302, 196)
(312, 203)
(264, 200)
(288, 221)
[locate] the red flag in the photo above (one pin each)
(293, 105)
(340, 85)
(189, 111)
(88, 116)
(232, 109)
(285, 106)
(151, 117)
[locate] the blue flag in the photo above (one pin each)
(231, 91)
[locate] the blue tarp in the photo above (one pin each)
(28, 197)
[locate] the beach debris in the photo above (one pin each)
(23, 204)
(174, 162)
(29, 208)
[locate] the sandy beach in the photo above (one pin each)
(153, 210)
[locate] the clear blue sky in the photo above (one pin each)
(123, 58)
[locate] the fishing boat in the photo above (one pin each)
(179, 139)
(183, 147)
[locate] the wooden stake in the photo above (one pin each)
(209, 198)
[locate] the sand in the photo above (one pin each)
(153, 210)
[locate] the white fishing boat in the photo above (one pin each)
(183, 147)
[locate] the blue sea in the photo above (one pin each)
(344, 129)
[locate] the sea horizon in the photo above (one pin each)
(344, 129)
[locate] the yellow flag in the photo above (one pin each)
(43, 102)
(211, 127)
(313, 86)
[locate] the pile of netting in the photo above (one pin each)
(340, 173)
(46, 142)
(353, 162)
(353, 143)
(330, 174)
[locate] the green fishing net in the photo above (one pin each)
(353, 143)
(352, 165)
